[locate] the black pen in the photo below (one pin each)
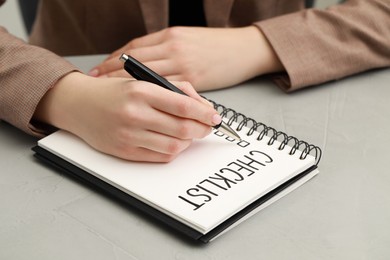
(140, 72)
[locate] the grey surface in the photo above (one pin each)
(343, 213)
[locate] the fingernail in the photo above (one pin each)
(93, 73)
(217, 119)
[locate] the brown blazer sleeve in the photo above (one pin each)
(26, 74)
(316, 46)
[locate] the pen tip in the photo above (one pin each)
(226, 129)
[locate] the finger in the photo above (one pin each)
(155, 120)
(183, 106)
(150, 53)
(143, 55)
(152, 141)
(119, 51)
(140, 42)
(187, 88)
(141, 154)
(163, 67)
(177, 127)
(148, 40)
(106, 67)
(165, 144)
(176, 79)
(118, 74)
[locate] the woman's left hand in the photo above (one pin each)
(209, 58)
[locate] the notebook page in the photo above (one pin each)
(206, 184)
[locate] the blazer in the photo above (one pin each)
(314, 45)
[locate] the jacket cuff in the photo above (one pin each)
(26, 74)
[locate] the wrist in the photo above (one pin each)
(267, 61)
(58, 104)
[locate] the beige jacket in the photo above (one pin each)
(314, 45)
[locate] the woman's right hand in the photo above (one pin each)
(133, 120)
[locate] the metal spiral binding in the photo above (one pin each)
(264, 130)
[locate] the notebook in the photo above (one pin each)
(215, 184)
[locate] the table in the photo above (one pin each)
(343, 213)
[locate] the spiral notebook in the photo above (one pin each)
(211, 187)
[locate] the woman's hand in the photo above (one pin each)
(208, 58)
(133, 120)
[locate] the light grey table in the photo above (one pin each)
(343, 213)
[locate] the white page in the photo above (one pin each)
(161, 184)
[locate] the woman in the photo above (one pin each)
(214, 44)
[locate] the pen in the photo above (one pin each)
(140, 72)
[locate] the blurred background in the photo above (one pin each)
(11, 18)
